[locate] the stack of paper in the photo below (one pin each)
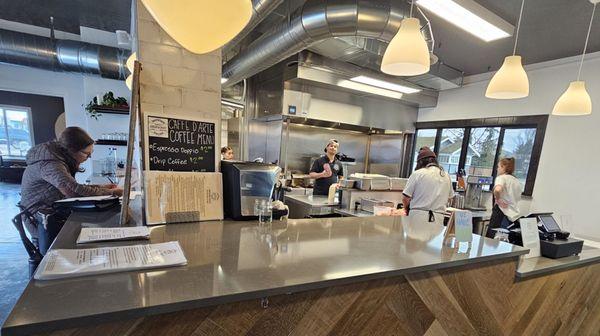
(89, 235)
(58, 264)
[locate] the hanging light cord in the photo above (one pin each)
(518, 27)
(587, 38)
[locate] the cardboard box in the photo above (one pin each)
(176, 197)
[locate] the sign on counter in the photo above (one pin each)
(530, 236)
(181, 145)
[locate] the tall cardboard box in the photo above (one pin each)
(177, 197)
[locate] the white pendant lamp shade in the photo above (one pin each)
(201, 26)
(407, 54)
(131, 62)
(129, 82)
(575, 101)
(510, 82)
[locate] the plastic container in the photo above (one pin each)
(379, 210)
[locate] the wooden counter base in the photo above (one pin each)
(470, 300)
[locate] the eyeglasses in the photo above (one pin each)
(87, 155)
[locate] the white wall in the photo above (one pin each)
(567, 180)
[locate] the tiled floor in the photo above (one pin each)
(13, 258)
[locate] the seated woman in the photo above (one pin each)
(50, 176)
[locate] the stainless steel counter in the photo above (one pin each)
(541, 265)
(353, 213)
(232, 261)
(302, 206)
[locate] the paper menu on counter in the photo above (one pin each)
(59, 264)
(89, 235)
(530, 236)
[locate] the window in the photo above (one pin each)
(424, 138)
(15, 131)
(481, 155)
(475, 145)
(518, 143)
(451, 145)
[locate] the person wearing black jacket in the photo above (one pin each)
(327, 169)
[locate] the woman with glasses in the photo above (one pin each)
(50, 176)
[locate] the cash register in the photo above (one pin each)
(554, 242)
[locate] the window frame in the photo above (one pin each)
(26, 109)
(538, 122)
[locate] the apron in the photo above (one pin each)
(429, 216)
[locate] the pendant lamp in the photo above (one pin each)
(407, 54)
(129, 82)
(130, 61)
(576, 100)
(510, 81)
(201, 26)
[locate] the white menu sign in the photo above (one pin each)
(531, 238)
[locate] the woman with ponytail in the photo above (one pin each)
(507, 194)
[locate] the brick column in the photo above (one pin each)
(175, 82)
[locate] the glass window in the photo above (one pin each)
(483, 144)
(518, 143)
(3, 135)
(15, 134)
(424, 137)
(451, 146)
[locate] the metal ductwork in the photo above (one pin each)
(316, 21)
(260, 10)
(62, 55)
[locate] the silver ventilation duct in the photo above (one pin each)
(260, 10)
(316, 21)
(62, 55)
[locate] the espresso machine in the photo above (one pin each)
(474, 192)
(243, 184)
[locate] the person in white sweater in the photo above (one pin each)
(507, 194)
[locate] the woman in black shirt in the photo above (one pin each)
(326, 169)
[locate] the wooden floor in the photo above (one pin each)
(477, 300)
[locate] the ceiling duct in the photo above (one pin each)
(260, 10)
(315, 21)
(62, 55)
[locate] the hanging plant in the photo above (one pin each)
(108, 101)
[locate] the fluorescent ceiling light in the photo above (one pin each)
(348, 84)
(384, 84)
(224, 80)
(471, 17)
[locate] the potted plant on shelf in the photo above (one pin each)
(109, 101)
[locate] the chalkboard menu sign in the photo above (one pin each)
(181, 145)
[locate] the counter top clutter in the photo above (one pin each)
(233, 261)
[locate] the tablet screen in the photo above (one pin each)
(549, 224)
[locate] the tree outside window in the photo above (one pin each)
(483, 144)
(518, 143)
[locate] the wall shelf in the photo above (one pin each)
(110, 110)
(111, 142)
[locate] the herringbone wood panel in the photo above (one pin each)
(480, 299)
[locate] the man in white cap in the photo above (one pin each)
(326, 169)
